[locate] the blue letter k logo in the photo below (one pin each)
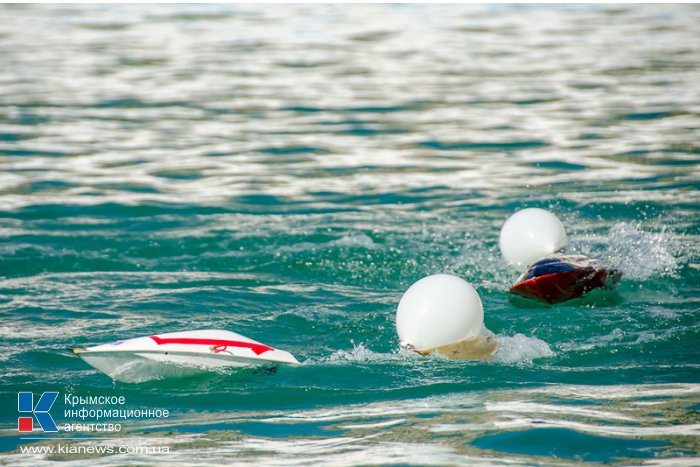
(25, 403)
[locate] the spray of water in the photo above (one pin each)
(640, 254)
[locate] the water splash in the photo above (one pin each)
(513, 349)
(640, 254)
(361, 354)
(521, 349)
(358, 240)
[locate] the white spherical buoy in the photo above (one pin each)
(529, 235)
(438, 310)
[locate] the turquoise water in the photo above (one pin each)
(286, 172)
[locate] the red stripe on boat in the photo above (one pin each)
(257, 348)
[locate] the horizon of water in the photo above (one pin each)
(287, 172)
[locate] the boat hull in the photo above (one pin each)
(180, 354)
(562, 286)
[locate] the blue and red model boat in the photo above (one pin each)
(557, 278)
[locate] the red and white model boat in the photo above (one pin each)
(180, 354)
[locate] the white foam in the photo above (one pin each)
(361, 354)
(610, 430)
(559, 409)
(363, 426)
(359, 240)
(520, 348)
(674, 461)
(512, 349)
(618, 391)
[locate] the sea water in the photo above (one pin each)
(286, 172)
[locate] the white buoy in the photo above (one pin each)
(529, 235)
(443, 312)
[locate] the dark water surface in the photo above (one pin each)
(286, 172)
